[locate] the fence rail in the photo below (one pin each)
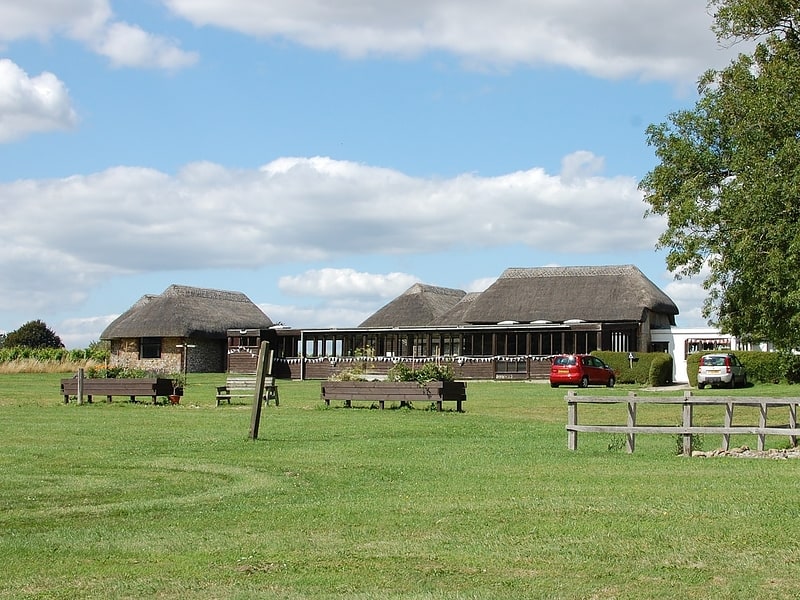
(687, 428)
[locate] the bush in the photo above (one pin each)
(661, 367)
(430, 371)
(649, 368)
(762, 367)
(47, 355)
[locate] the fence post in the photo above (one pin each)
(631, 437)
(687, 423)
(762, 423)
(793, 423)
(572, 419)
(726, 437)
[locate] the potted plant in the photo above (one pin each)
(178, 383)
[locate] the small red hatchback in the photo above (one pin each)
(581, 370)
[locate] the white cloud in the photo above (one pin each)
(80, 332)
(129, 220)
(607, 38)
(32, 104)
(580, 165)
(319, 317)
(92, 23)
(689, 295)
(328, 283)
(129, 46)
(480, 285)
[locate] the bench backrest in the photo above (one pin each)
(246, 383)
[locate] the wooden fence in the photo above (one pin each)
(687, 428)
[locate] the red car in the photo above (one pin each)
(581, 370)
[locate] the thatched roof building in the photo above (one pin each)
(187, 312)
(601, 294)
(418, 306)
(455, 316)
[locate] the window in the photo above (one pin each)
(511, 366)
(151, 347)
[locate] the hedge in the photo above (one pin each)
(51, 354)
(762, 367)
(649, 368)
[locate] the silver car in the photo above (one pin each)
(721, 369)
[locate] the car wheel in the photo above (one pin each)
(700, 386)
(733, 382)
(611, 382)
(553, 385)
(744, 381)
(584, 382)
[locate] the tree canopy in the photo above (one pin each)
(33, 334)
(728, 178)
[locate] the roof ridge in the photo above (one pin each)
(558, 271)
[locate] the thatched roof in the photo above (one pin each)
(558, 294)
(418, 306)
(455, 316)
(188, 312)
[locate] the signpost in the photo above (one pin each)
(264, 369)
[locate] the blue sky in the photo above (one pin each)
(322, 160)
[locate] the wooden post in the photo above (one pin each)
(687, 423)
(793, 423)
(572, 419)
(762, 422)
(726, 437)
(80, 386)
(264, 367)
(631, 437)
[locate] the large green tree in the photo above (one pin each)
(728, 178)
(33, 334)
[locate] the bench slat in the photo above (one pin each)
(240, 386)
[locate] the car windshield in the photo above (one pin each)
(564, 360)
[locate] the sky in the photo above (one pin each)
(323, 157)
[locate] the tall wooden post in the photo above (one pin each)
(687, 423)
(630, 438)
(264, 369)
(80, 387)
(572, 419)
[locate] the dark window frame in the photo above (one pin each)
(150, 347)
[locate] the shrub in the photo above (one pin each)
(430, 371)
(762, 367)
(643, 372)
(661, 366)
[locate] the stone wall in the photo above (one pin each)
(207, 356)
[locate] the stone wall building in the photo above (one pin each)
(183, 329)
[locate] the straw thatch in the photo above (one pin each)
(187, 312)
(418, 306)
(455, 316)
(558, 294)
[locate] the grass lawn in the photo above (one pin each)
(131, 500)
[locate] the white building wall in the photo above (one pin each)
(677, 338)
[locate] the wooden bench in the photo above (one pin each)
(244, 386)
(402, 392)
(151, 387)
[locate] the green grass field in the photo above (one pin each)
(130, 500)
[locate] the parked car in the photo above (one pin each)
(581, 370)
(721, 369)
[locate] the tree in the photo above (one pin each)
(728, 178)
(33, 334)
